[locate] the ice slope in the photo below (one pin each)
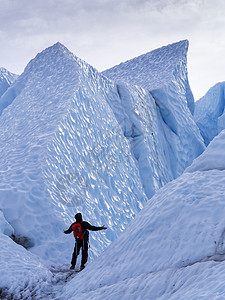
(22, 274)
(162, 73)
(6, 79)
(173, 249)
(212, 158)
(62, 151)
(209, 112)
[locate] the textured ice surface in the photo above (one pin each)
(163, 75)
(6, 79)
(167, 251)
(156, 69)
(5, 227)
(21, 273)
(212, 158)
(141, 123)
(63, 151)
(209, 112)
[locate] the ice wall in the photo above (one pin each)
(62, 151)
(209, 113)
(140, 121)
(162, 73)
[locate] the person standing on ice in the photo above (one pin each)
(80, 231)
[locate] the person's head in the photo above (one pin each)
(78, 217)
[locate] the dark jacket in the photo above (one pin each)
(85, 227)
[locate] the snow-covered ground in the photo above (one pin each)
(74, 140)
(22, 273)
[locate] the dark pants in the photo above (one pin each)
(80, 244)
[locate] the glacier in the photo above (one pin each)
(74, 139)
(209, 112)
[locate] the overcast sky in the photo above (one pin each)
(107, 32)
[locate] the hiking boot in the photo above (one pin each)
(72, 267)
(82, 267)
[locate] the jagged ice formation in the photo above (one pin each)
(162, 73)
(62, 151)
(209, 112)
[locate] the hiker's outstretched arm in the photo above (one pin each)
(68, 230)
(93, 228)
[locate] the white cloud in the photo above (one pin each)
(106, 32)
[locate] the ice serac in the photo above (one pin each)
(209, 112)
(136, 112)
(6, 79)
(157, 69)
(162, 74)
(62, 151)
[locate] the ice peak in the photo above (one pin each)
(6, 79)
(54, 64)
(57, 47)
(4, 72)
(54, 57)
(180, 45)
(154, 68)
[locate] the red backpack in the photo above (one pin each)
(77, 231)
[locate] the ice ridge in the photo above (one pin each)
(155, 69)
